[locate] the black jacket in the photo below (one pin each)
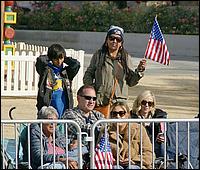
(68, 73)
(158, 114)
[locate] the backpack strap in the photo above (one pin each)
(113, 90)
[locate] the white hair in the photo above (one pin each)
(45, 111)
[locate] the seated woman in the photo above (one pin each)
(120, 110)
(47, 142)
(144, 107)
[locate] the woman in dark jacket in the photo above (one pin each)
(56, 73)
(144, 107)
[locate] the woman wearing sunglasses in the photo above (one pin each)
(144, 107)
(49, 150)
(119, 141)
(112, 62)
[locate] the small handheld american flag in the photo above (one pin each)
(156, 48)
(103, 154)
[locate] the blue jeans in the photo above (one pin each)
(58, 101)
(159, 149)
(73, 154)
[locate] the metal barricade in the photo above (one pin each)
(176, 132)
(173, 134)
(13, 128)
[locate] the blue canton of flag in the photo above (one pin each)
(103, 154)
(157, 48)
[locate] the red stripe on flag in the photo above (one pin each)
(155, 50)
(152, 48)
(160, 52)
(147, 50)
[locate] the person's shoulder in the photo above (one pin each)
(98, 114)
(70, 113)
(34, 125)
(35, 128)
(59, 134)
(42, 59)
(133, 115)
(159, 113)
(97, 52)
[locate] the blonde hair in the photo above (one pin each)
(142, 96)
(123, 105)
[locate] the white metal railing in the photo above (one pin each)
(106, 123)
(17, 131)
(189, 125)
(19, 76)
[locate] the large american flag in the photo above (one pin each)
(157, 48)
(103, 154)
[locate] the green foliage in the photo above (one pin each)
(90, 17)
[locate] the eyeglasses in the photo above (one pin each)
(112, 38)
(121, 113)
(144, 102)
(90, 97)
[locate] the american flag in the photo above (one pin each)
(157, 48)
(103, 154)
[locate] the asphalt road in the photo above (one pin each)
(175, 86)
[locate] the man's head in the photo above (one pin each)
(56, 54)
(86, 97)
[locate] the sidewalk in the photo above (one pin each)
(175, 86)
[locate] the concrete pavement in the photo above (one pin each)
(176, 88)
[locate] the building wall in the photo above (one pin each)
(178, 45)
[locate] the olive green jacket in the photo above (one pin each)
(101, 76)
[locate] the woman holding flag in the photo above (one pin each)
(109, 63)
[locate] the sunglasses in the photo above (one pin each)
(90, 97)
(121, 113)
(144, 102)
(50, 118)
(112, 38)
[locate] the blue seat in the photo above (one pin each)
(183, 143)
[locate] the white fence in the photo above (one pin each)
(18, 73)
